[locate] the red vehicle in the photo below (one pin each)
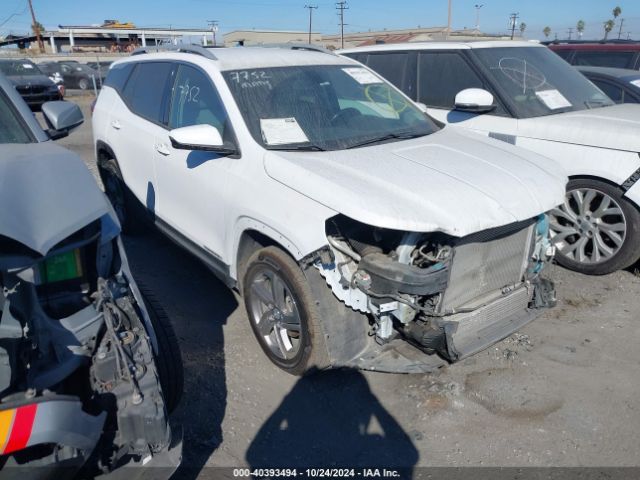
(612, 53)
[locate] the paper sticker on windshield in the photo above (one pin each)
(362, 75)
(27, 65)
(282, 131)
(553, 99)
(635, 82)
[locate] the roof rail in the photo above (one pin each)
(296, 46)
(195, 49)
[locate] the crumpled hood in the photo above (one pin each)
(452, 181)
(616, 127)
(46, 194)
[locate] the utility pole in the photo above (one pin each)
(342, 6)
(311, 8)
(514, 21)
(478, 7)
(214, 28)
(570, 31)
(449, 21)
(36, 28)
(620, 30)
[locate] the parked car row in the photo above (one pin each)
(32, 84)
(391, 208)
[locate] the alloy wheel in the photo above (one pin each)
(275, 314)
(589, 227)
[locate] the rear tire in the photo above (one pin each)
(133, 216)
(168, 358)
(276, 291)
(597, 230)
(83, 84)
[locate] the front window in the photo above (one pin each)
(536, 82)
(12, 130)
(320, 107)
(24, 68)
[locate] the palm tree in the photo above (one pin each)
(580, 27)
(547, 31)
(608, 26)
(523, 27)
(616, 13)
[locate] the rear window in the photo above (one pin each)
(145, 90)
(605, 59)
(118, 75)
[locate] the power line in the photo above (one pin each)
(311, 9)
(342, 6)
(514, 21)
(214, 28)
(570, 32)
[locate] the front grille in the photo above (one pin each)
(31, 89)
(486, 263)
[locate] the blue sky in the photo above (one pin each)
(361, 16)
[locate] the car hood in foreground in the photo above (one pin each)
(616, 127)
(46, 194)
(451, 181)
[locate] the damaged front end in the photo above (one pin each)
(433, 293)
(80, 388)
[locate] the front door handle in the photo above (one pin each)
(162, 149)
(116, 124)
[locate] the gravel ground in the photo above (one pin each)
(561, 392)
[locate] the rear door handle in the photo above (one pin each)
(162, 149)
(116, 124)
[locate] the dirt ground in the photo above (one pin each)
(562, 392)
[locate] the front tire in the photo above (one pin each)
(168, 358)
(282, 312)
(83, 84)
(596, 230)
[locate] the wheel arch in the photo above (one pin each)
(625, 193)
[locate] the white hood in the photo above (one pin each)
(451, 181)
(616, 127)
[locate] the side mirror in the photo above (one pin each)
(474, 100)
(422, 107)
(199, 137)
(61, 117)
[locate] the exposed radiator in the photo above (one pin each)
(487, 262)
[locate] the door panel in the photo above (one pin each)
(191, 184)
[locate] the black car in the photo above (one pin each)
(32, 84)
(619, 84)
(78, 75)
(89, 365)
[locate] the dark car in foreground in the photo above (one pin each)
(31, 83)
(89, 366)
(619, 84)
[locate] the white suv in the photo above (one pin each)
(358, 231)
(524, 94)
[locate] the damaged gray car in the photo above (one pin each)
(89, 364)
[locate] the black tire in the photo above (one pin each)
(83, 84)
(627, 253)
(133, 216)
(168, 358)
(312, 352)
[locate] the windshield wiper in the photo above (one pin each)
(306, 147)
(389, 136)
(597, 103)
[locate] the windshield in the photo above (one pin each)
(12, 129)
(538, 82)
(19, 68)
(320, 107)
